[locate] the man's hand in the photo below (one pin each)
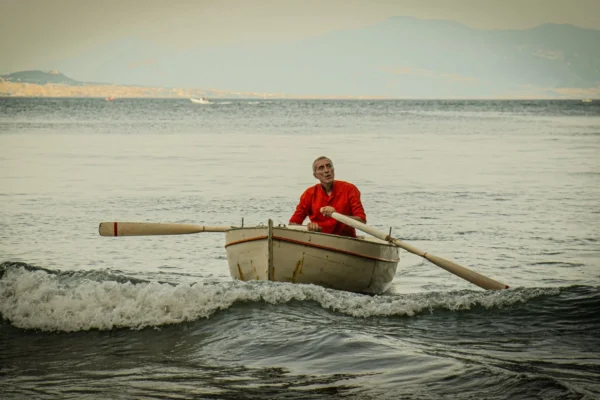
(327, 211)
(312, 226)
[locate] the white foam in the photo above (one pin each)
(39, 300)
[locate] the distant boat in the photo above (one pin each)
(202, 100)
(110, 98)
(587, 100)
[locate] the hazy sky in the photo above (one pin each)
(33, 32)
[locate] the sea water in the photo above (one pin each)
(509, 189)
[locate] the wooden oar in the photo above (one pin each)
(471, 276)
(151, 228)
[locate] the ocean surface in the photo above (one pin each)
(510, 189)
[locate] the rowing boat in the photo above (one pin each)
(284, 254)
(294, 254)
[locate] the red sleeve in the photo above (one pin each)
(302, 209)
(356, 205)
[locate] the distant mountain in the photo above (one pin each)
(40, 78)
(54, 84)
(400, 57)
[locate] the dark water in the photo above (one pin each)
(507, 188)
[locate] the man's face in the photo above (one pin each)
(324, 171)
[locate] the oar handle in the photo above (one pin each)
(458, 270)
(153, 228)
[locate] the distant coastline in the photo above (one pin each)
(13, 89)
(53, 84)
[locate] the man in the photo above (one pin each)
(328, 196)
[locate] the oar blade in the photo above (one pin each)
(112, 229)
(467, 274)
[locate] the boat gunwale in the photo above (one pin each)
(361, 239)
(334, 249)
(250, 239)
(319, 246)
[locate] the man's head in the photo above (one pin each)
(323, 170)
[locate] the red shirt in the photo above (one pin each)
(345, 198)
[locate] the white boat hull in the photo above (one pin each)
(200, 101)
(281, 254)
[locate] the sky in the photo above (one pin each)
(35, 32)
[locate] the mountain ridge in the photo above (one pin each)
(400, 57)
